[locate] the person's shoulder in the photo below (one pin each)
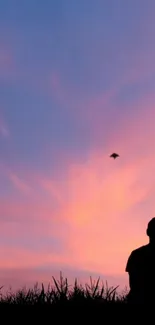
(140, 250)
(136, 256)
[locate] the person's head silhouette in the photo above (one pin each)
(151, 230)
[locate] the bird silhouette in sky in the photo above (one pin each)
(114, 155)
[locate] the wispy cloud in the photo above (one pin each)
(4, 130)
(20, 184)
(51, 187)
(7, 63)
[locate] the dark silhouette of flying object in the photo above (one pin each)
(114, 155)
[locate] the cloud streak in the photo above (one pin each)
(20, 184)
(4, 131)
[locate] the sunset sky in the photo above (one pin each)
(77, 82)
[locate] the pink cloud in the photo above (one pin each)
(26, 258)
(103, 193)
(17, 210)
(102, 197)
(97, 203)
(51, 187)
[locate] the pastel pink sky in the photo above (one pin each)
(71, 95)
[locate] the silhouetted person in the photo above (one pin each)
(141, 269)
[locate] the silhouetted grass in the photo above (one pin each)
(60, 293)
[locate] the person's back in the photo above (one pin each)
(141, 269)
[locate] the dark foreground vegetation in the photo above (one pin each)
(61, 303)
(60, 293)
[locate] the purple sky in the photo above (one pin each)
(77, 81)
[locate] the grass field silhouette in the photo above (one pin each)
(61, 293)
